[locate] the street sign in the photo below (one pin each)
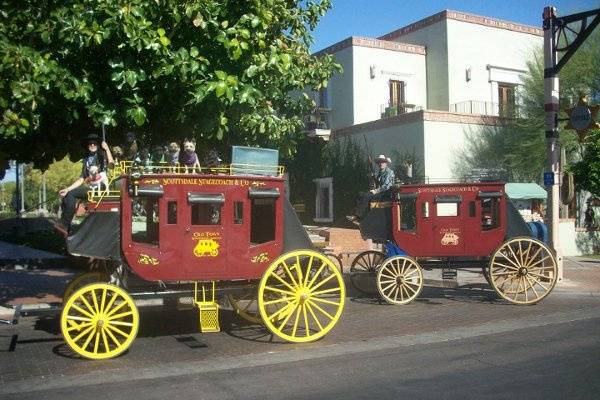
(548, 178)
(580, 118)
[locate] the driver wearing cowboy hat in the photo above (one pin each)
(384, 181)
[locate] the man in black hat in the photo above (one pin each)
(79, 188)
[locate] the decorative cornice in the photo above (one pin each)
(463, 17)
(374, 44)
(417, 116)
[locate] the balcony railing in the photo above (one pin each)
(476, 107)
(388, 110)
(318, 123)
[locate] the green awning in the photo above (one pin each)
(525, 191)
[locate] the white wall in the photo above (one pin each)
(340, 91)
(477, 47)
(434, 38)
(370, 94)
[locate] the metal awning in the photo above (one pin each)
(525, 191)
(150, 190)
(263, 193)
(448, 199)
(206, 198)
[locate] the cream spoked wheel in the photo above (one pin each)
(523, 270)
(99, 321)
(301, 296)
(399, 280)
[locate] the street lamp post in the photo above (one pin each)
(562, 37)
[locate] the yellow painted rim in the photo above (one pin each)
(301, 296)
(399, 280)
(523, 270)
(99, 321)
(82, 280)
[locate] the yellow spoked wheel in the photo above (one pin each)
(82, 280)
(99, 321)
(399, 280)
(246, 306)
(301, 296)
(523, 270)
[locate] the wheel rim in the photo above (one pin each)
(399, 280)
(301, 296)
(246, 306)
(363, 271)
(99, 321)
(82, 280)
(523, 271)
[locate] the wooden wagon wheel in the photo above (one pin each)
(399, 280)
(363, 270)
(82, 280)
(523, 270)
(99, 321)
(301, 296)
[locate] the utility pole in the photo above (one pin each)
(562, 37)
(22, 191)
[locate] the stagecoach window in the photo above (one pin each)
(407, 214)
(238, 212)
(262, 220)
(471, 209)
(447, 209)
(172, 212)
(144, 220)
(490, 213)
(206, 213)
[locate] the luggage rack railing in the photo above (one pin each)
(129, 168)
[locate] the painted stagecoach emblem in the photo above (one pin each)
(147, 260)
(208, 244)
(450, 237)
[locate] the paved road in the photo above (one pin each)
(450, 343)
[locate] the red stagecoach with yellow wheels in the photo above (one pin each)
(451, 226)
(224, 233)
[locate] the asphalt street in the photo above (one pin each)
(450, 343)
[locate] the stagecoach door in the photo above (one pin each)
(448, 226)
(205, 241)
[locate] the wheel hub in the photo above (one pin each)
(523, 271)
(399, 280)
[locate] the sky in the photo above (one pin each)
(373, 18)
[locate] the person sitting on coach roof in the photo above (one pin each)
(384, 182)
(79, 188)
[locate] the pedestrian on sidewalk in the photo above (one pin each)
(79, 188)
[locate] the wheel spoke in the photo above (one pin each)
(274, 289)
(103, 300)
(78, 327)
(532, 258)
(279, 300)
(300, 279)
(306, 326)
(332, 290)
(121, 315)
(312, 313)
(314, 278)
(95, 301)
(85, 302)
(89, 339)
(411, 272)
(514, 256)
(532, 285)
(334, 303)
(117, 330)
(77, 318)
(297, 318)
(112, 337)
(539, 261)
(280, 279)
(406, 287)
(117, 308)
(308, 268)
(96, 342)
(83, 333)
(315, 305)
(384, 289)
(388, 276)
(105, 340)
(287, 270)
(281, 310)
(500, 265)
(121, 323)
(324, 281)
(288, 316)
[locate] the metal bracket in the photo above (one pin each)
(573, 30)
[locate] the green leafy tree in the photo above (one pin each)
(219, 71)
(518, 145)
(587, 170)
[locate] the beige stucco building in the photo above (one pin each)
(424, 88)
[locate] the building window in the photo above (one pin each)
(506, 99)
(324, 200)
(323, 98)
(397, 95)
(206, 214)
(144, 220)
(262, 220)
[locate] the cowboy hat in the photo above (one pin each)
(382, 159)
(92, 137)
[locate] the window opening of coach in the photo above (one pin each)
(144, 220)
(172, 212)
(238, 213)
(262, 220)
(407, 212)
(206, 208)
(447, 206)
(490, 213)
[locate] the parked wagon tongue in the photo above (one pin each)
(451, 226)
(226, 236)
